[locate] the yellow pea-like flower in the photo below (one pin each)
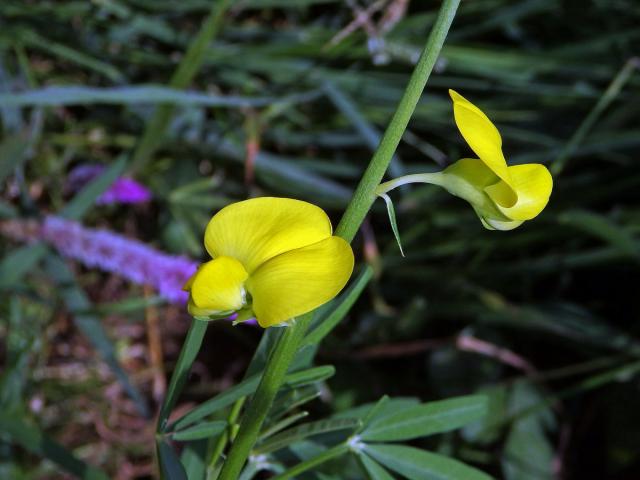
(275, 258)
(503, 196)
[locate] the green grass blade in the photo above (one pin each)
(190, 349)
(12, 154)
(186, 71)
(35, 441)
(77, 302)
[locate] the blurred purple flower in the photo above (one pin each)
(128, 258)
(123, 190)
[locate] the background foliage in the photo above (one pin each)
(289, 100)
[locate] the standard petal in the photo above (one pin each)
(481, 135)
(299, 281)
(218, 286)
(533, 184)
(255, 230)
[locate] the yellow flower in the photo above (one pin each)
(502, 196)
(274, 258)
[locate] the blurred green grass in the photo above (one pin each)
(560, 292)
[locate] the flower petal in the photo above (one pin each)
(218, 286)
(255, 230)
(482, 136)
(468, 178)
(533, 184)
(299, 281)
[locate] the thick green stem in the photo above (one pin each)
(286, 347)
(274, 372)
(181, 78)
(365, 193)
(313, 462)
(190, 349)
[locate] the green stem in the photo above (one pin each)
(277, 365)
(182, 77)
(228, 434)
(434, 178)
(286, 347)
(190, 349)
(302, 467)
(364, 195)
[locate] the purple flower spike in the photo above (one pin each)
(128, 258)
(123, 190)
(131, 259)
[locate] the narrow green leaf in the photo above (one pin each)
(86, 198)
(12, 151)
(194, 459)
(602, 227)
(292, 399)
(386, 409)
(311, 375)
(181, 78)
(245, 388)
(339, 310)
(190, 349)
(36, 442)
(427, 419)
(170, 465)
(33, 39)
(392, 219)
(18, 262)
(199, 431)
(374, 470)
(282, 424)
(369, 133)
(306, 430)
(137, 95)
(373, 412)
(416, 464)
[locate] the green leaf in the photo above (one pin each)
(194, 459)
(136, 95)
(36, 442)
(190, 349)
(17, 263)
(373, 412)
(386, 409)
(86, 198)
(603, 228)
(417, 464)
(374, 470)
(12, 153)
(427, 419)
(247, 387)
(392, 219)
(170, 465)
(283, 439)
(199, 431)
(340, 308)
